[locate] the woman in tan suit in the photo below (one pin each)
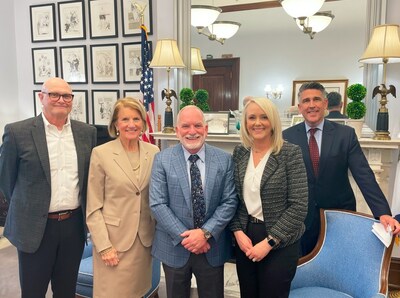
(118, 213)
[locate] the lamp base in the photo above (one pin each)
(382, 135)
(382, 125)
(168, 122)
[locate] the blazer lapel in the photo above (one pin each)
(327, 141)
(121, 159)
(242, 166)
(211, 171)
(179, 164)
(270, 168)
(80, 139)
(39, 138)
(145, 168)
(303, 143)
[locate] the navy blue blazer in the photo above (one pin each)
(340, 152)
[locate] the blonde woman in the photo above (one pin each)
(271, 183)
(118, 213)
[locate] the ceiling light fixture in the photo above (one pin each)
(204, 16)
(316, 23)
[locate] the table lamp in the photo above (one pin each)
(383, 47)
(167, 56)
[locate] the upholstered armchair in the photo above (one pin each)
(348, 261)
(84, 285)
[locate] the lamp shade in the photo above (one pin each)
(197, 62)
(384, 44)
(317, 22)
(167, 55)
(204, 15)
(224, 29)
(301, 8)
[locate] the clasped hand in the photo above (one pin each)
(255, 253)
(195, 242)
(110, 258)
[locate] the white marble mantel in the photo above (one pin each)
(382, 156)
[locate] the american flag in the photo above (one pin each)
(146, 86)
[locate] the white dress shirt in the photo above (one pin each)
(63, 167)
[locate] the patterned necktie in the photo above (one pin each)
(314, 152)
(199, 205)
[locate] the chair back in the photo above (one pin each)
(348, 258)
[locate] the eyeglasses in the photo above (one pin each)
(56, 96)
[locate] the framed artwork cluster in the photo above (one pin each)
(89, 62)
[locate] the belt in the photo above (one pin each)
(63, 215)
(255, 220)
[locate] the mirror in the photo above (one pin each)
(274, 51)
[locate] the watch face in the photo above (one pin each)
(271, 242)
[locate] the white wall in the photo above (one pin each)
(9, 110)
(16, 74)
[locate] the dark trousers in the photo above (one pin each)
(272, 276)
(210, 280)
(57, 260)
(310, 236)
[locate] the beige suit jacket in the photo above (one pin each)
(117, 202)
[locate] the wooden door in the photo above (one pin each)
(222, 83)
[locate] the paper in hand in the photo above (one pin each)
(382, 233)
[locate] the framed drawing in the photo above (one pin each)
(73, 64)
(339, 85)
(134, 94)
(43, 22)
(218, 122)
(102, 103)
(37, 105)
(131, 16)
(44, 64)
(104, 60)
(131, 62)
(71, 20)
(102, 18)
(80, 106)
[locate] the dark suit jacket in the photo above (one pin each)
(25, 177)
(283, 192)
(340, 152)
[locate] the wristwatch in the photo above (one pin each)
(207, 234)
(271, 241)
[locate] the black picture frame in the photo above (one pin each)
(103, 19)
(102, 105)
(44, 62)
(37, 104)
(104, 63)
(132, 62)
(131, 20)
(43, 22)
(73, 64)
(80, 111)
(71, 20)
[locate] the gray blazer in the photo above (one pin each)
(171, 203)
(284, 193)
(25, 177)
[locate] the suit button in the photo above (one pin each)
(137, 193)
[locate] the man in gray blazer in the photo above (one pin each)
(44, 164)
(184, 243)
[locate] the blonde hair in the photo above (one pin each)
(126, 102)
(271, 111)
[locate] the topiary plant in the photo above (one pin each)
(356, 109)
(186, 97)
(201, 97)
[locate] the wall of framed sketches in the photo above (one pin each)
(94, 45)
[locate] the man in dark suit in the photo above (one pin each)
(338, 151)
(191, 237)
(44, 164)
(335, 105)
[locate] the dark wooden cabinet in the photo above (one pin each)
(222, 83)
